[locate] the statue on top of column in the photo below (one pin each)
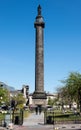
(39, 10)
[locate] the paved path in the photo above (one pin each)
(34, 119)
(36, 122)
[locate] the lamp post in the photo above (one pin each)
(13, 107)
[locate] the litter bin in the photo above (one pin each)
(5, 124)
(49, 120)
(17, 120)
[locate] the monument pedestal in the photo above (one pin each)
(39, 98)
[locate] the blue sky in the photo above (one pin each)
(62, 41)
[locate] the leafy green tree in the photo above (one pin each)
(4, 96)
(19, 100)
(71, 88)
(50, 101)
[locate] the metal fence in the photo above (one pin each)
(15, 117)
(2, 122)
(50, 117)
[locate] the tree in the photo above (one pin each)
(71, 88)
(19, 100)
(50, 101)
(4, 96)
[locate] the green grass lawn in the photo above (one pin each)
(26, 113)
(2, 116)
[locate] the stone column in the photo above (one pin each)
(39, 57)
